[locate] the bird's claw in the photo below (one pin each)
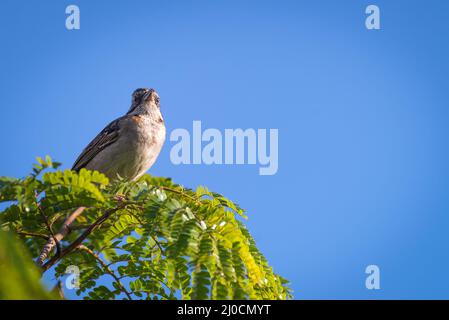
(119, 197)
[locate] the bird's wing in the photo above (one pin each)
(107, 136)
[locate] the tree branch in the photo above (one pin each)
(58, 289)
(85, 226)
(83, 236)
(56, 238)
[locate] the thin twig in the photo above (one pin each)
(180, 193)
(106, 268)
(32, 234)
(52, 241)
(152, 237)
(58, 289)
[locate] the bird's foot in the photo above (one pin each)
(119, 197)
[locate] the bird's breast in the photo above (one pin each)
(147, 132)
(145, 140)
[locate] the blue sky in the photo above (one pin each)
(363, 119)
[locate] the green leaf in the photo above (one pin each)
(19, 276)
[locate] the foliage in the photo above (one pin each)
(19, 276)
(159, 241)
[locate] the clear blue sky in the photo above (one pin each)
(363, 119)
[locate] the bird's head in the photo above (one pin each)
(144, 101)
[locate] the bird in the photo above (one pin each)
(128, 146)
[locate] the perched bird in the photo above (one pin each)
(129, 145)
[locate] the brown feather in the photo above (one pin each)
(107, 136)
